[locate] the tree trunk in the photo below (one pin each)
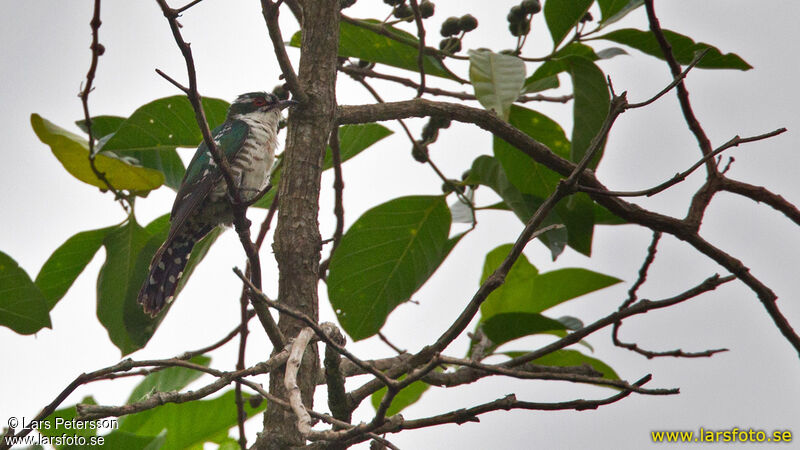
(297, 240)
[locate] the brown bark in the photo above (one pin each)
(297, 240)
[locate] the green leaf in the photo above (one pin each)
(488, 172)
(23, 308)
(523, 172)
(590, 107)
(562, 15)
(165, 123)
(364, 42)
(129, 250)
(613, 10)
(67, 262)
(497, 79)
(101, 125)
(169, 379)
(683, 48)
(555, 287)
(540, 84)
(577, 213)
(385, 256)
(565, 358)
(118, 285)
(405, 398)
(73, 153)
(165, 160)
(550, 69)
(506, 327)
(189, 424)
(354, 139)
(603, 216)
(525, 290)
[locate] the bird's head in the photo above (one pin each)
(261, 104)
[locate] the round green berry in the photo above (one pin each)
(420, 152)
(450, 45)
(519, 28)
(467, 22)
(515, 14)
(430, 132)
(426, 9)
(450, 27)
(587, 17)
(393, 2)
(531, 6)
(281, 92)
(403, 11)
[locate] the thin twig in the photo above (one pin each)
(355, 72)
(270, 10)
(421, 48)
(679, 177)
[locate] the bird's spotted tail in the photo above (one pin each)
(167, 267)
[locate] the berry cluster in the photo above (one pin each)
(452, 27)
(430, 132)
(403, 11)
(519, 17)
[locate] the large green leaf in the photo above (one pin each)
(67, 262)
(385, 256)
(546, 75)
(562, 15)
(101, 125)
(613, 10)
(118, 285)
(354, 139)
(488, 172)
(165, 123)
(405, 398)
(497, 79)
(23, 308)
(165, 160)
(590, 107)
(527, 291)
(505, 327)
(577, 213)
(683, 48)
(189, 425)
(73, 153)
(523, 172)
(129, 250)
(365, 43)
(169, 379)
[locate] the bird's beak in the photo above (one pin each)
(287, 103)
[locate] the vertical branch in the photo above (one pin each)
(338, 187)
(97, 50)
(683, 93)
(297, 243)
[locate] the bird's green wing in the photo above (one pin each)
(202, 173)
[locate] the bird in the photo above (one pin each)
(247, 139)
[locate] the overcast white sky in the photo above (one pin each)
(45, 56)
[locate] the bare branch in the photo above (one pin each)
(421, 47)
(270, 10)
(298, 347)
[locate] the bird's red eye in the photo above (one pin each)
(259, 101)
